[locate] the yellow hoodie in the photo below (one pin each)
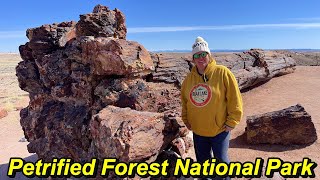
(211, 100)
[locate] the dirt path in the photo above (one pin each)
(302, 87)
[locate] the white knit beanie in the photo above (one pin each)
(200, 45)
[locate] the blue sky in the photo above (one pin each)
(174, 24)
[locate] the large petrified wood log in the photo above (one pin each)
(250, 67)
(292, 125)
(71, 77)
(263, 66)
(170, 69)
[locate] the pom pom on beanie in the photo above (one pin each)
(200, 45)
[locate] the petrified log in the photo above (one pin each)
(250, 68)
(131, 135)
(169, 69)
(72, 78)
(292, 125)
(256, 66)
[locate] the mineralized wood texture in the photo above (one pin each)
(292, 125)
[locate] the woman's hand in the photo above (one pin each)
(227, 128)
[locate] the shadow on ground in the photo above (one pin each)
(19, 175)
(254, 86)
(241, 142)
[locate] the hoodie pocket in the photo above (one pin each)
(217, 123)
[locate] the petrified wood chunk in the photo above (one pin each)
(131, 135)
(292, 125)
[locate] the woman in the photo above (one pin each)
(211, 104)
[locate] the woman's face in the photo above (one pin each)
(201, 59)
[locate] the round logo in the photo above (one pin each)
(200, 95)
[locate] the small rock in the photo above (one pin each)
(23, 139)
(3, 113)
(179, 146)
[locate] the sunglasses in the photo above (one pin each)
(201, 55)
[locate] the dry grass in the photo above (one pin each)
(10, 92)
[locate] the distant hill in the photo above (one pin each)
(239, 50)
(301, 50)
(187, 51)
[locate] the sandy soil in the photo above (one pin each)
(299, 87)
(12, 99)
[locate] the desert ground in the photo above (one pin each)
(301, 87)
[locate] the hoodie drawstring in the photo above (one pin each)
(205, 79)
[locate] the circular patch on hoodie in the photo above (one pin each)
(200, 95)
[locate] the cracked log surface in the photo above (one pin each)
(250, 67)
(292, 125)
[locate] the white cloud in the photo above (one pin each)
(21, 34)
(12, 34)
(307, 19)
(226, 27)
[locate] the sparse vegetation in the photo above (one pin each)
(10, 92)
